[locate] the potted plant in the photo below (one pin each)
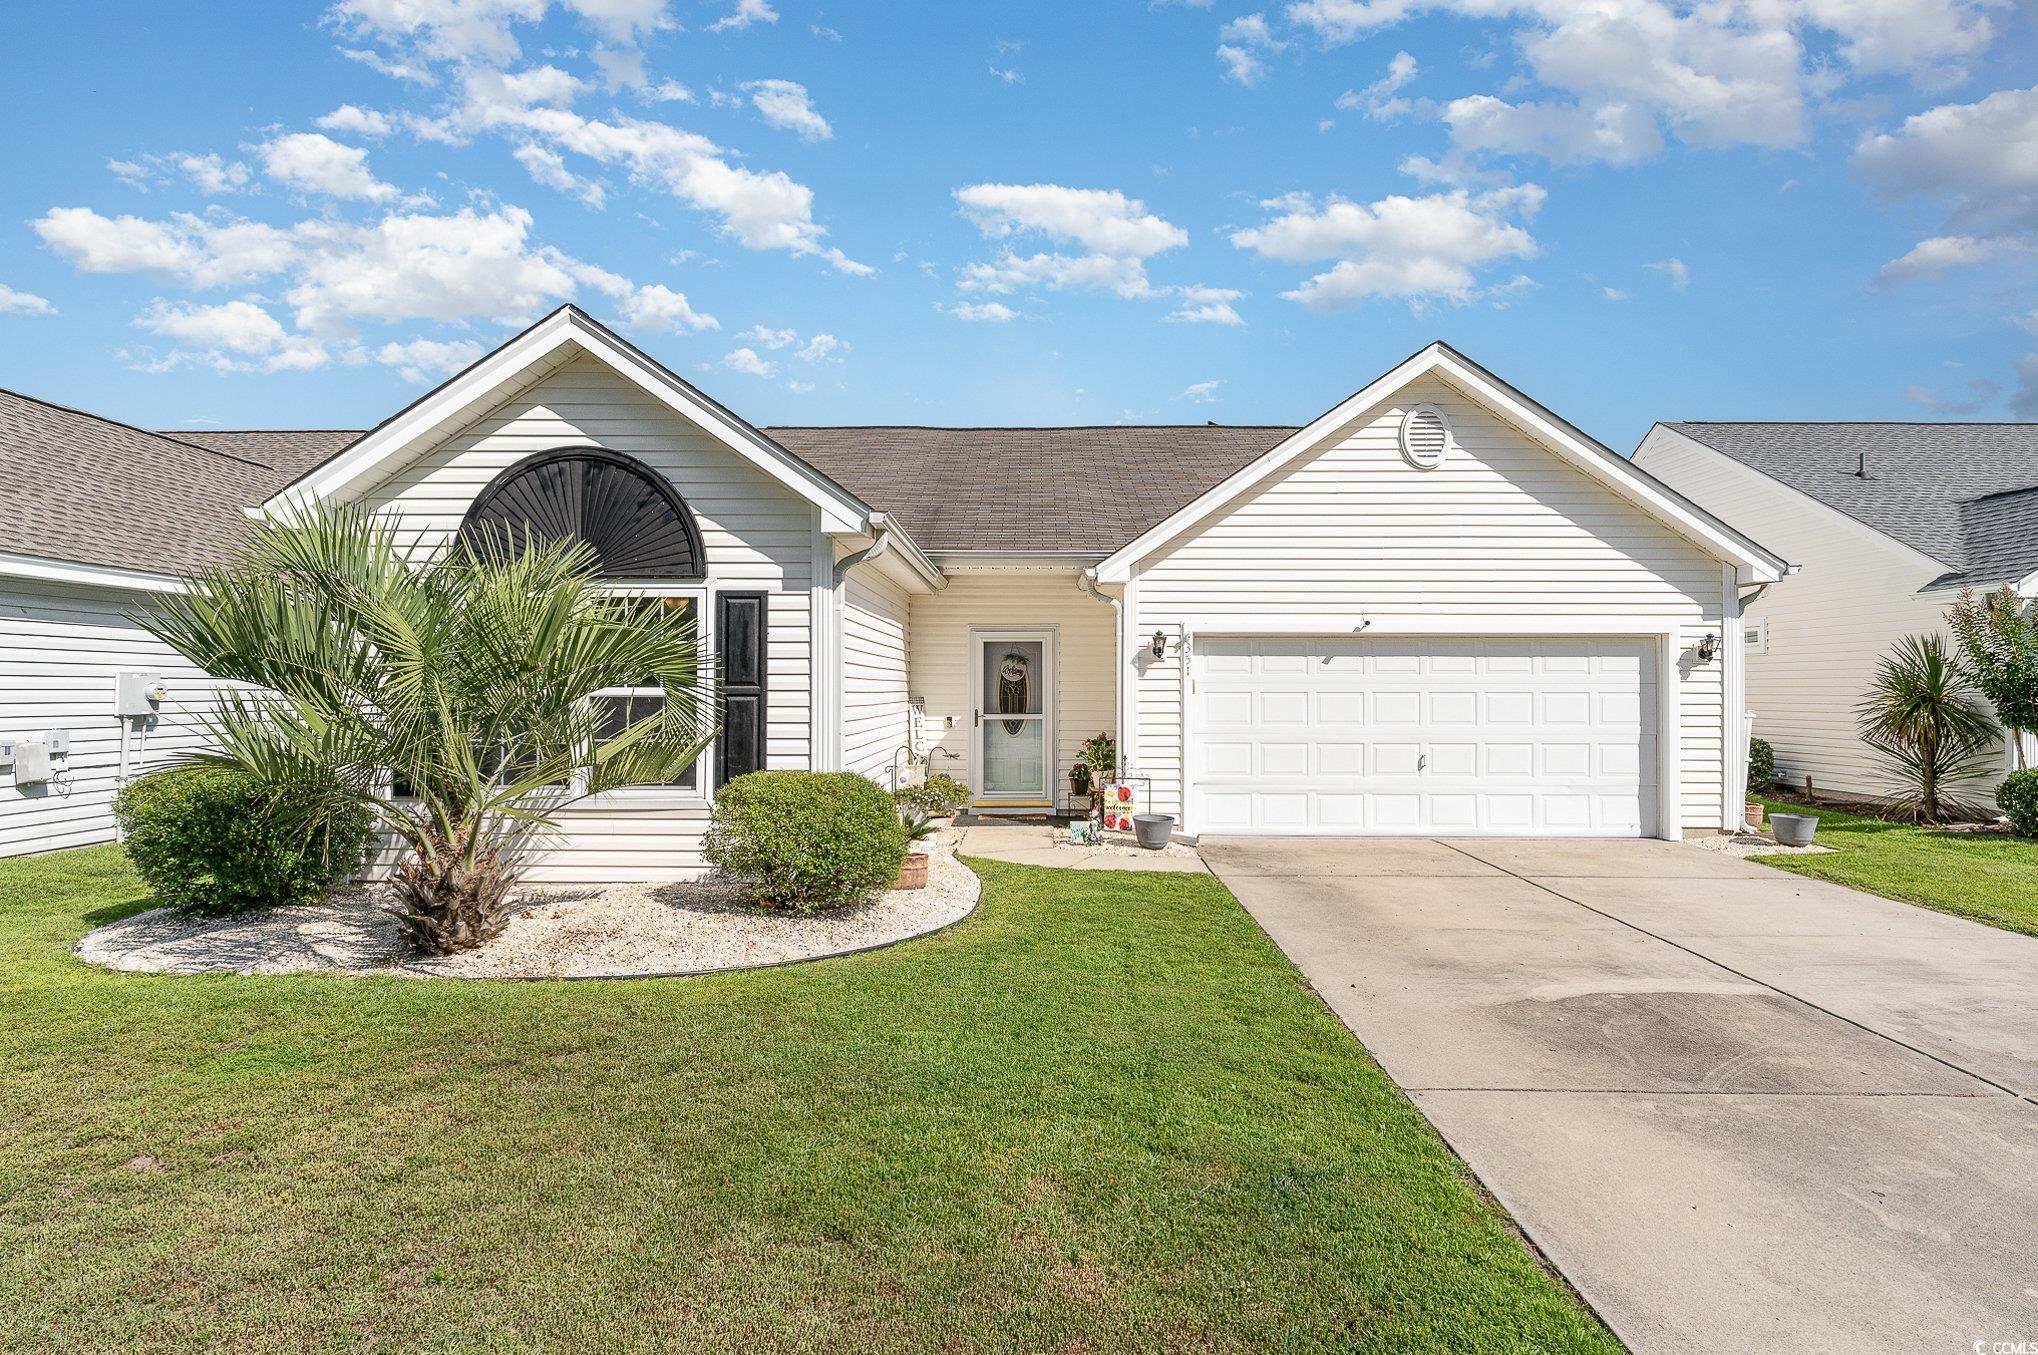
(1079, 780)
(919, 828)
(1098, 760)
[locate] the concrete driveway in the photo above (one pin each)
(1740, 1110)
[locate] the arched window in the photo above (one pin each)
(639, 528)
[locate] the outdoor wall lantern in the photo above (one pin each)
(1709, 648)
(1160, 644)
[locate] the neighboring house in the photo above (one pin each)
(1437, 608)
(1887, 523)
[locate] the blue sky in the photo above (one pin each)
(296, 215)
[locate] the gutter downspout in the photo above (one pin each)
(881, 540)
(1087, 582)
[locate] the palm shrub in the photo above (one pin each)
(1921, 717)
(449, 693)
(1999, 652)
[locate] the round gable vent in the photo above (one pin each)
(1425, 437)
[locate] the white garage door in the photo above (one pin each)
(1503, 735)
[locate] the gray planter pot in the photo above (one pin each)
(1153, 830)
(1794, 830)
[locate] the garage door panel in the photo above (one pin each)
(1414, 734)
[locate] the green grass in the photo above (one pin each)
(1102, 1114)
(1987, 877)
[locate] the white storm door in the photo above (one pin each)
(1012, 695)
(1525, 735)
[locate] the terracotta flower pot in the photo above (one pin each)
(1753, 812)
(913, 875)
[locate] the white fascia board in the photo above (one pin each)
(1753, 563)
(903, 551)
(89, 576)
(550, 338)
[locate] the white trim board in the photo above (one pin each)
(1752, 562)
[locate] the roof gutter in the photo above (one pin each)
(886, 533)
(1086, 581)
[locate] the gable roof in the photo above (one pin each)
(1965, 494)
(292, 451)
(1615, 472)
(92, 491)
(1083, 491)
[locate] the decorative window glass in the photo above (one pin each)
(637, 524)
(1425, 437)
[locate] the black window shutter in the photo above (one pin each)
(740, 626)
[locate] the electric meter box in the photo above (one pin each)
(31, 762)
(138, 693)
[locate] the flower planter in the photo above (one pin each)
(1153, 830)
(1794, 830)
(913, 875)
(1752, 814)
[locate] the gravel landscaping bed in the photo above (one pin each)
(1753, 844)
(557, 932)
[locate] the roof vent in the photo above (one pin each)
(1861, 469)
(1425, 437)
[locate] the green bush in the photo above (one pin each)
(942, 794)
(807, 840)
(2018, 799)
(209, 840)
(1761, 766)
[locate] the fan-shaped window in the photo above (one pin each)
(639, 528)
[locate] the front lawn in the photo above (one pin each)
(1102, 1114)
(1987, 877)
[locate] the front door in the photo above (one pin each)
(1013, 684)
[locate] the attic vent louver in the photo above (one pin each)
(1425, 437)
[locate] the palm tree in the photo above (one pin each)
(1922, 717)
(451, 694)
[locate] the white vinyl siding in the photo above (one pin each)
(1085, 693)
(60, 651)
(1827, 626)
(1502, 538)
(758, 535)
(875, 705)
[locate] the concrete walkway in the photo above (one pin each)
(1034, 844)
(1740, 1110)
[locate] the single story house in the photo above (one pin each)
(1888, 524)
(1436, 608)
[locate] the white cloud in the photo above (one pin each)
(549, 168)
(415, 72)
(1616, 133)
(1242, 46)
(234, 336)
(23, 303)
(800, 387)
(190, 249)
(210, 174)
(1378, 100)
(1201, 392)
(1416, 249)
(130, 172)
(1675, 269)
(311, 162)
(746, 13)
(657, 309)
(2027, 322)
(822, 348)
(353, 120)
(1207, 306)
(984, 312)
(1980, 391)
(2024, 404)
(1932, 257)
(421, 360)
(771, 338)
(1119, 233)
(1613, 293)
(745, 360)
(1007, 74)
(445, 30)
(785, 104)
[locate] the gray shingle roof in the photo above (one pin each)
(1965, 494)
(1028, 489)
(92, 491)
(290, 450)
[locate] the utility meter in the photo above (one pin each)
(138, 694)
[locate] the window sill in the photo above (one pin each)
(639, 800)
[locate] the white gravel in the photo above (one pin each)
(1753, 844)
(556, 932)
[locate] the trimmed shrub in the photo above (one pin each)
(942, 794)
(807, 841)
(2018, 799)
(1761, 766)
(209, 840)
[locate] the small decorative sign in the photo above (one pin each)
(1085, 832)
(1120, 804)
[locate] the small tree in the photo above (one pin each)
(1921, 716)
(1999, 652)
(452, 697)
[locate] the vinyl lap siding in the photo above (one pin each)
(1085, 694)
(758, 536)
(875, 696)
(1502, 532)
(1854, 595)
(60, 651)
